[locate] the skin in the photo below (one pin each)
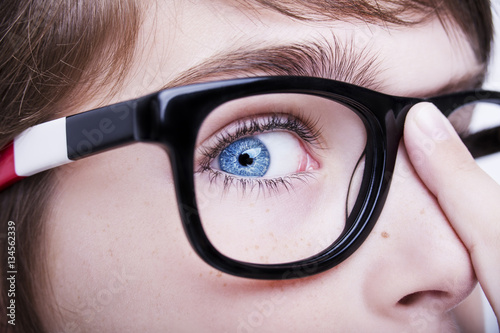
(119, 260)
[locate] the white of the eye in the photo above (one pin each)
(285, 152)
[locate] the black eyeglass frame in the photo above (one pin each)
(173, 117)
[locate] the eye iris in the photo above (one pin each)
(247, 157)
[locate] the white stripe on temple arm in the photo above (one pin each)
(41, 147)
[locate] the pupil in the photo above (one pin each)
(245, 159)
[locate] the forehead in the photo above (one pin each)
(190, 41)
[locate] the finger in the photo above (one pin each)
(468, 196)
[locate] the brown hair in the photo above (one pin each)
(52, 53)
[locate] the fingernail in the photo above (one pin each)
(432, 122)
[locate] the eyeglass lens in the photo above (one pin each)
(277, 175)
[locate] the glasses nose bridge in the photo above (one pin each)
(400, 108)
(393, 119)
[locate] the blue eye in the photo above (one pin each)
(247, 157)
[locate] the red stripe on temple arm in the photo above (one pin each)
(8, 174)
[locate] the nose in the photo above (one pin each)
(423, 270)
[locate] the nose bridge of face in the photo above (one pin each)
(415, 249)
(409, 201)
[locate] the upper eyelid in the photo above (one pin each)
(251, 126)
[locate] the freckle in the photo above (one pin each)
(422, 212)
(268, 210)
(219, 274)
(385, 234)
(256, 247)
(224, 285)
(201, 274)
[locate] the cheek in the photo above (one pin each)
(114, 234)
(274, 228)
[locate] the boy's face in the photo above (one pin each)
(118, 257)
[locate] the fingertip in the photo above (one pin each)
(434, 148)
(429, 121)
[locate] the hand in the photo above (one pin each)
(468, 196)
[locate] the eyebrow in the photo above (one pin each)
(325, 59)
(322, 58)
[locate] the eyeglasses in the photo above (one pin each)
(276, 177)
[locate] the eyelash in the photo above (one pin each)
(305, 128)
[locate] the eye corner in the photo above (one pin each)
(308, 163)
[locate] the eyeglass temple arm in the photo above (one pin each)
(482, 143)
(61, 141)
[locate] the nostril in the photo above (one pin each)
(411, 298)
(420, 296)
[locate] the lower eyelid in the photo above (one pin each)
(252, 186)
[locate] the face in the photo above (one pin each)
(118, 257)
